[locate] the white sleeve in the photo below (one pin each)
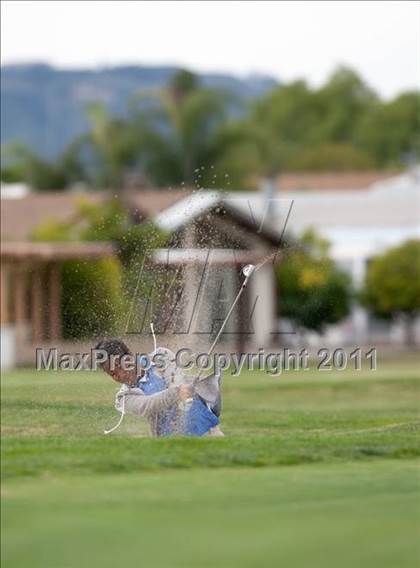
(139, 404)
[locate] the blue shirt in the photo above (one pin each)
(198, 419)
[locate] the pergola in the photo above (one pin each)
(30, 277)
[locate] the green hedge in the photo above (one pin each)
(92, 299)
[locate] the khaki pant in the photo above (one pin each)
(215, 432)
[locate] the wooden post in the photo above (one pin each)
(55, 302)
(19, 294)
(19, 301)
(37, 305)
(5, 315)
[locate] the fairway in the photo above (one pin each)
(317, 469)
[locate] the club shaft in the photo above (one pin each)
(225, 321)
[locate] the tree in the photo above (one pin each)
(341, 125)
(392, 285)
(313, 292)
(22, 164)
(302, 125)
(243, 153)
(390, 132)
(183, 82)
(111, 146)
(288, 110)
(331, 157)
(189, 134)
(177, 130)
(342, 103)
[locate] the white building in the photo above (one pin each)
(358, 223)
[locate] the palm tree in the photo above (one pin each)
(177, 129)
(111, 145)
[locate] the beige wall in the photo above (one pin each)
(263, 291)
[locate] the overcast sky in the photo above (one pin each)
(284, 39)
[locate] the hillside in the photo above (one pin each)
(44, 107)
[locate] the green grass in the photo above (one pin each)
(317, 469)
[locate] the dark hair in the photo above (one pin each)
(113, 347)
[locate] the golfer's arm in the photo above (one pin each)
(146, 405)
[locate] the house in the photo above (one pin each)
(212, 238)
(361, 214)
(213, 235)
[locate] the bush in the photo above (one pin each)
(313, 290)
(392, 285)
(91, 298)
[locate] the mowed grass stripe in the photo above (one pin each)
(53, 423)
(346, 514)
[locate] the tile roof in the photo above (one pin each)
(150, 202)
(21, 216)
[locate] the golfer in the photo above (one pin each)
(158, 394)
